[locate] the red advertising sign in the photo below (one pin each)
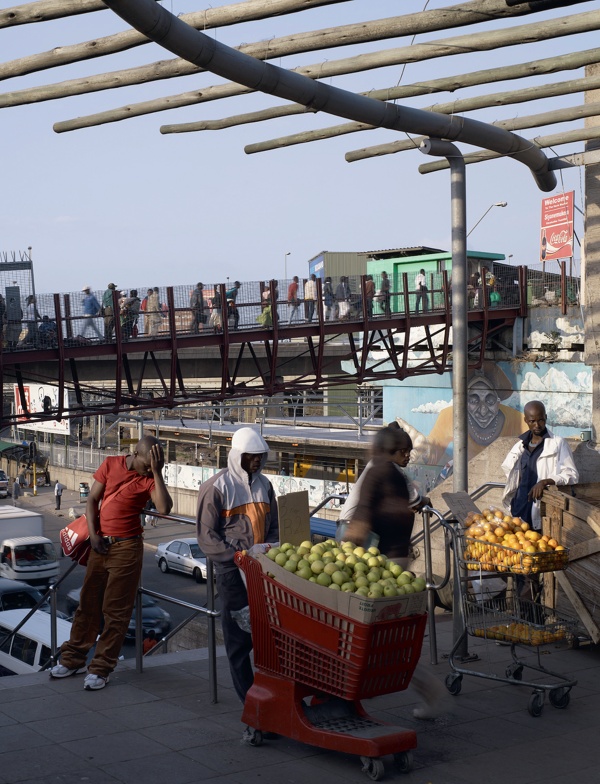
(556, 234)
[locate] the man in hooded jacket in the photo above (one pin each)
(237, 509)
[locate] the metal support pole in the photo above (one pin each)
(460, 477)
(459, 305)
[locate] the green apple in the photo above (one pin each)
(303, 550)
(329, 567)
(361, 581)
(362, 591)
(385, 573)
(359, 551)
(361, 566)
(373, 576)
(335, 587)
(273, 553)
(312, 579)
(374, 551)
(351, 559)
(290, 565)
(395, 569)
(375, 591)
(286, 546)
(306, 544)
(281, 559)
(408, 588)
(418, 584)
(404, 578)
(389, 590)
(323, 579)
(339, 577)
(305, 572)
(318, 567)
(348, 587)
(303, 562)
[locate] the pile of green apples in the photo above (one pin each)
(346, 567)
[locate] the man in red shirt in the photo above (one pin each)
(293, 299)
(120, 491)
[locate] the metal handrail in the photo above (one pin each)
(332, 497)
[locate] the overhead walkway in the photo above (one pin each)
(236, 350)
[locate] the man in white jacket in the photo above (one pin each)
(537, 460)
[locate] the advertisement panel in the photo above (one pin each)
(35, 394)
(556, 233)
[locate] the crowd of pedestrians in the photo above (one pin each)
(96, 317)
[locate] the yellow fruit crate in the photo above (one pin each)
(478, 554)
(517, 621)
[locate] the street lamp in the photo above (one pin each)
(496, 204)
(285, 264)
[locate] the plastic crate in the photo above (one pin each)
(517, 620)
(498, 558)
(318, 647)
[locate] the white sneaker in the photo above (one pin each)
(59, 671)
(94, 682)
(426, 712)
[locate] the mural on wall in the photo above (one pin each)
(496, 398)
(191, 477)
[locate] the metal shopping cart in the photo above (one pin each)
(313, 667)
(508, 619)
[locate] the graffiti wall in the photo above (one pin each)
(497, 395)
(191, 477)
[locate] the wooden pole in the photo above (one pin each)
(542, 142)
(519, 123)
(550, 29)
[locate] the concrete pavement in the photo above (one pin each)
(161, 726)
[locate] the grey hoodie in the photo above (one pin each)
(236, 509)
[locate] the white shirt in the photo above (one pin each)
(420, 280)
(310, 289)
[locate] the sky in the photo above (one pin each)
(122, 203)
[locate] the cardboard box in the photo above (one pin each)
(357, 607)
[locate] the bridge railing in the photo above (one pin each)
(149, 312)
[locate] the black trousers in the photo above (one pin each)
(57, 499)
(238, 643)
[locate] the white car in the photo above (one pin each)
(182, 555)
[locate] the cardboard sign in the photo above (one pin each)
(294, 519)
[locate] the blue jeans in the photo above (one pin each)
(108, 591)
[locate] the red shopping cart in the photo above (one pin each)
(313, 667)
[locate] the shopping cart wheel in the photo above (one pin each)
(373, 767)
(560, 697)
(514, 671)
(404, 761)
(454, 682)
(536, 704)
(252, 737)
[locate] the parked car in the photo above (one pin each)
(153, 615)
(30, 648)
(182, 555)
(3, 484)
(16, 595)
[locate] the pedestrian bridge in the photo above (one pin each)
(178, 355)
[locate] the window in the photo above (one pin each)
(5, 643)
(24, 649)
(174, 548)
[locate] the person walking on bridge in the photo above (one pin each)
(108, 311)
(91, 310)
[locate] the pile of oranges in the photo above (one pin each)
(498, 542)
(522, 633)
